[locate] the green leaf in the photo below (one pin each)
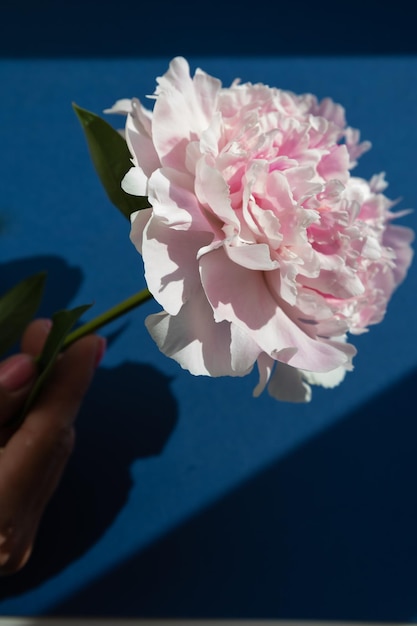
(62, 323)
(17, 308)
(111, 159)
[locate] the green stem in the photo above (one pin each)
(108, 316)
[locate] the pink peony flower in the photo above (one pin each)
(260, 245)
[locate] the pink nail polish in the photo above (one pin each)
(16, 372)
(101, 349)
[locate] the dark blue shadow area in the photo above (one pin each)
(327, 533)
(55, 28)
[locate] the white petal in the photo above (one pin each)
(138, 221)
(139, 140)
(325, 379)
(251, 256)
(287, 384)
(265, 367)
(135, 182)
(123, 106)
(244, 351)
(171, 269)
(172, 195)
(184, 108)
(213, 192)
(194, 339)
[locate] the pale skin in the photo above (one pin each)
(33, 457)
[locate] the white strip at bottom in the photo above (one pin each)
(41, 621)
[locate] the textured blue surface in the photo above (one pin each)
(185, 496)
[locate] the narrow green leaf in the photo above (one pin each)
(111, 159)
(62, 323)
(17, 308)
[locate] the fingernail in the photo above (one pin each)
(16, 372)
(101, 350)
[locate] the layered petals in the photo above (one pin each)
(260, 246)
(196, 341)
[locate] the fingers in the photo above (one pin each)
(35, 335)
(32, 462)
(67, 385)
(18, 373)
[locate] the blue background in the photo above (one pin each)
(185, 496)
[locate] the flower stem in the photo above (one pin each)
(108, 316)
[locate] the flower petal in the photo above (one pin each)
(135, 182)
(326, 379)
(171, 271)
(173, 199)
(265, 366)
(287, 384)
(256, 256)
(139, 139)
(183, 109)
(138, 221)
(194, 339)
(241, 296)
(123, 106)
(243, 349)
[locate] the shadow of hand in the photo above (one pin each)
(128, 414)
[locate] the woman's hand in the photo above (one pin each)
(33, 457)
